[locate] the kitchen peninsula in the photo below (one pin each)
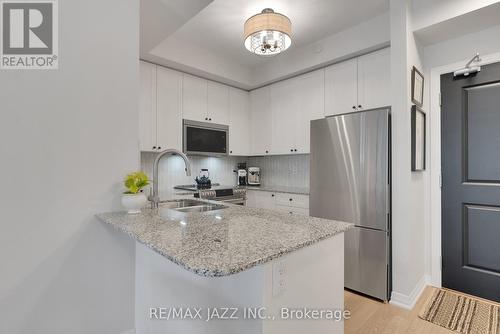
(237, 259)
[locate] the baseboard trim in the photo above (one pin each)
(409, 301)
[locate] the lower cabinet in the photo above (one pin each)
(291, 203)
(293, 210)
(260, 199)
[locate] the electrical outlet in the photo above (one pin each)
(279, 278)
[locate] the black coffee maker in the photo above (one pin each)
(241, 174)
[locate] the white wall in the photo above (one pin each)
(409, 188)
(462, 48)
(430, 12)
(67, 137)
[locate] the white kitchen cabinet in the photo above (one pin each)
(341, 87)
(147, 107)
(374, 79)
(293, 200)
(194, 98)
(291, 203)
(169, 113)
(284, 109)
(311, 106)
(217, 103)
(358, 84)
(239, 122)
(260, 199)
(293, 210)
(261, 121)
(204, 100)
(160, 118)
(294, 103)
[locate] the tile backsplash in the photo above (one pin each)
(171, 170)
(282, 170)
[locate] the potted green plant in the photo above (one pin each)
(134, 198)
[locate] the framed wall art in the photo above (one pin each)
(417, 87)
(418, 149)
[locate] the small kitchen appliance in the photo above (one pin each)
(254, 176)
(242, 174)
(203, 180)
(201, 138)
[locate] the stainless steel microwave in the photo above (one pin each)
(205, 138)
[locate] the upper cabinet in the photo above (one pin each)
(239, 122)
(147, 107)
(358, 84)
(341, 87)
(194, 98)
(294, 103)
(374, 79)
(160, 120)
(204, 100)
(168, 108)
(274, 119)
(284, 111)
(217, 103)
(311, 106)
(261, 121)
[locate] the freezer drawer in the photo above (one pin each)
(366, 264)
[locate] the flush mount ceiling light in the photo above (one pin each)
(268, 33)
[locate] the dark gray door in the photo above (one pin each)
(470, 138)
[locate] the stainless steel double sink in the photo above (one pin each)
(191, 205)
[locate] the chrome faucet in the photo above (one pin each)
(154, 198)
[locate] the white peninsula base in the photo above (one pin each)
(311, 278)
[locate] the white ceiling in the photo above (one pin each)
(218, 28)
(210, 42)
(160, 18)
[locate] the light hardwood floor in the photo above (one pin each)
(370, 316)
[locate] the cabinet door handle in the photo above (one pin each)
(206, 118)
(272, 195)
(267, 151)
(360, 106)
(291, 150)
(154, 147)
(354, 107)
(230, 151)
(159, 147)
(209, 119)
(291, 199)
(295, 150)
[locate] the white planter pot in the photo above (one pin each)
(134, 202)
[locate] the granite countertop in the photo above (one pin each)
(280, 189)
(223, 242)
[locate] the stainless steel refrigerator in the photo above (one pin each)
(350, 181)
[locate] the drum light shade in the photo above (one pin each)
(268, 33)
